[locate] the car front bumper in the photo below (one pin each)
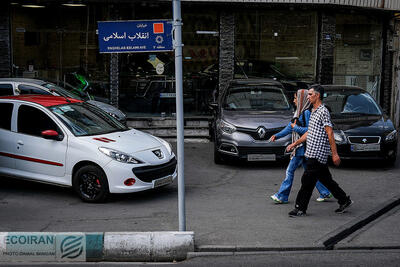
(152, 176)
(242, 146)
(387, 150)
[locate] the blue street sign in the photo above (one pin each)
(135, 36)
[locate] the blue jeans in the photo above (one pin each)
(284, 190)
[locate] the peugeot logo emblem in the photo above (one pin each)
(261, 132)
(158, 153)
(364, 140)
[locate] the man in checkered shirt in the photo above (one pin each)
(319, 141)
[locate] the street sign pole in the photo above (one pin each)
(177, 24)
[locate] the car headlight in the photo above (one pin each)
(165, 143)
(340, 137)
(391, 136)
(119, 156)
(227, 127)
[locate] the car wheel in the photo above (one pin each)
(90, 182)
(391, 161)
(211, 131)
(218, 159)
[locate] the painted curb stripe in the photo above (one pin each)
(94, 246)
(31, 159)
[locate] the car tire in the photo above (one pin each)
(91, 184)
(218, 158)
(391, 161)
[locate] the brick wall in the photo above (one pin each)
(5, 58)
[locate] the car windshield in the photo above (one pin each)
(350, 102)
(84, 119)
(256, 98)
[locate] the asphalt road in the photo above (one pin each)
(226, 205)
(363, 258)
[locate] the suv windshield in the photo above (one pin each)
(255, 98)
(84, 119)
(351, 103)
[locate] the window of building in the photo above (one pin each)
(279, 44)
(357, 54)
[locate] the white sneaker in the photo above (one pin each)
(277, 200)
(322, 199)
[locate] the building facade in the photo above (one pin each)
(329, 42)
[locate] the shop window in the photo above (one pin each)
(32, 38)
(358, 45)
(269, 45)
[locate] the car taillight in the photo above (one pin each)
(130, 182)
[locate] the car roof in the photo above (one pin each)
(256, 82)
(332, 87)
(26, 80)
(44, 100)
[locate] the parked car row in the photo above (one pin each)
(48, 136)
(250, 111)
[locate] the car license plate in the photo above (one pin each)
(261, 157)
(365, 147)
(163, 181)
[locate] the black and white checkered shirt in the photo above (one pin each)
(317, 144)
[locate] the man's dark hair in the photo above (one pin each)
(319, 89)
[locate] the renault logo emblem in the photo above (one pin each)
(158, 153)
(364, 140)
(261, 132)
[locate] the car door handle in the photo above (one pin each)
(20, 143)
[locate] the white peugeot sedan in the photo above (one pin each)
(67, 142)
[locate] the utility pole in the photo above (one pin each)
(179, 112)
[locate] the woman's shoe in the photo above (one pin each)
(322, 199)
(277, 200)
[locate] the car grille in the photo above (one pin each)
(364, 139)
(254, 134)
(150, 173)
(245, 150)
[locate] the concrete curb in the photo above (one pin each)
(239, 248)
(85, 247)
(344, 231)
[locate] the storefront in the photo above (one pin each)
(358, 51)
(284, 42)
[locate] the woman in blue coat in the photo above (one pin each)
(297, 128)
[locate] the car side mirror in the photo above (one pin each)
(52, 135)
(213, 105)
